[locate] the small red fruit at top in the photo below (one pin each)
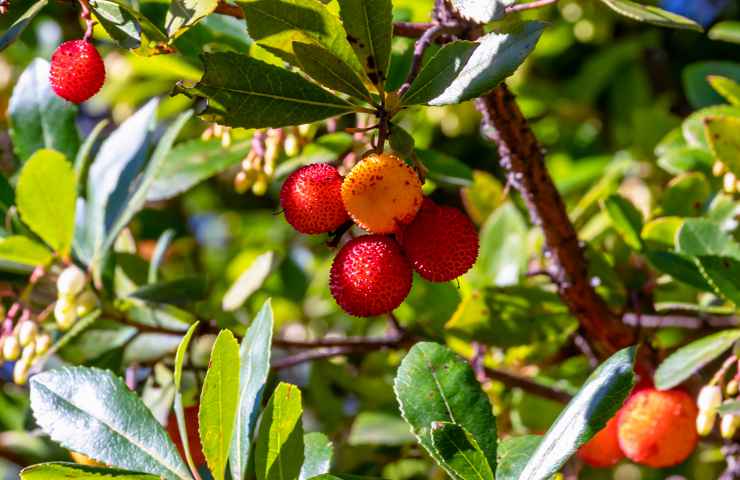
(77, 71)
(603, 449)
(441, 242)
(370, 276)
(312, 200)
(658, 428)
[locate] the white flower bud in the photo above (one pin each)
(11, 348)
(43, 343)
(728, 425)
(709, 399)
(705, 422)
(29, 352)
(20, 371)
(86, 303)
(71, 281)
(291, 145)
(27, 332)
(65, 312)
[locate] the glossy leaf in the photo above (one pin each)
(46, 196)
(723, 274)
(433, 384)
(460, 452)
(176, 292)
(39, 118)
(661, 232)
(481, 11)
(684, 159)
(695, 76)
(183, 14)
(699, 236)
(444, 169)
(731, 407)
(379, 428)
(436, 74)
(92, 412)
(24, 251)
(129, 28)
(329, 70)
(651, 14)
(496, 57)
(596, 402)
(693, 126)
(271, 96)
(503, 258)
(73, 471)
(248, 282)
(680, 267)
(401, 142)
(19, 25)
(369, 26)
(218, 402)
(727, 87)
(688, 359)
(721, 134)
(513, 454)
(279, 453)
(254, 366)
(318, 454)
(686, 195)
(626, 219)
(178, 406)
(727, 31)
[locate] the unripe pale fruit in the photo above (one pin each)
(11, 348)
(381, 193)
(603, 449)
(658, 428)
(20, 371)
(65, 312)
(312, 200)
(191, 423)
(709, 398)
(86, 302)
(71, 281)
(370, 276)
(77, 71)
(732, 388)
(43, 343)
(441, 242)
(705, 422)
(27, 332)
(728, 426)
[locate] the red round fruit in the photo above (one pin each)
(603, 449)
(370, 276)
(191, 422)
(312, 200)
(77, 71)
(658, 428)
(441, 242)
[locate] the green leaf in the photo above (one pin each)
(723, 274)
(318, 453)
(731, 407)
(271, 96)
(682, 363)
(626, 219)
(92, 412)
(39, 118)
(596, 402)
(683, 159)
(686, 195)
(191, 162)
(279, 452)
(183, 14)
(693, 125)
(218, 402)
(445, 169)
(699, 236)
(680, 267)
(401, 142)
(513, 454)
(46, 196)
(436, 74)
(651, 14)
(695, 76)
(379, 428)
(481, 12)
(181, 352)
(14, 31)
(175, 292)
(73, 471)
(721, 134)
(249, 281)
(159, 254)
(727, 87)
(275, 25)
(727, 31)
(254, 367)
(369, 27)
(460, 452)
(496, 57)
(24, 251)
(129, 28)
(178, 407)
(661, 232)
(502, 258)
(433, 384)
(329, 70)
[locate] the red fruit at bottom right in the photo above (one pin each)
(441, 242)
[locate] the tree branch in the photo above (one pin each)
(680, 320)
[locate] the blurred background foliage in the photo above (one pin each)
(603, 95)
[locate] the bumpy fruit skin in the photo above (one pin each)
(382, 193)
(191, 422)
(441, 242)
(658, 428)
(312, 201)
(77, 71)
(370, 276)
(603, 449)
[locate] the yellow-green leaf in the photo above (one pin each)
(279, 452)
(722, 135)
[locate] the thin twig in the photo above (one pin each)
(529, 385)
(360, 343)
(680, 320)
(310, 355)
(520, 7)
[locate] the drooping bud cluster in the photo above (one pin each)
(730, 182)
(75, 299)
(710, 399)
(23, 345)
(372, 274)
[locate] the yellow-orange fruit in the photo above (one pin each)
(382, 193)
(603, 449)
(658, 429)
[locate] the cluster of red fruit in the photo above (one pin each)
(77, 71)
(372, 274)
(653, 428)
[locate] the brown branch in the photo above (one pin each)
(528, 385)
(522, 158)
(310, 355)
(680, 320)
(358, 343)
(228, 9)
(410, 29)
